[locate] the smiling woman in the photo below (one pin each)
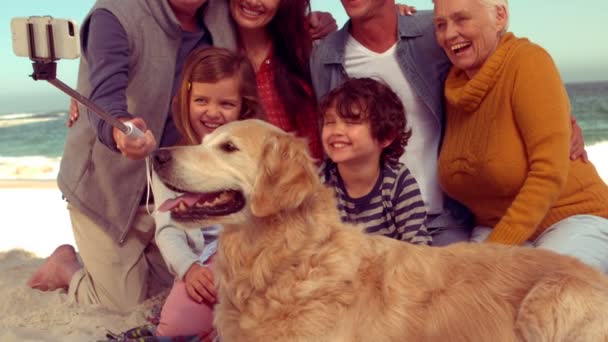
(274, 35)
(508, 131)
(467, 34)
(251, 15)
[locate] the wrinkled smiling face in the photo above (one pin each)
(469, 31)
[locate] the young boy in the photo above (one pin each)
(364, 134)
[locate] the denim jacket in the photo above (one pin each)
(422, 61)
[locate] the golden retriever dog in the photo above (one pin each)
(288, 269)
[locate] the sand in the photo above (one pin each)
(29, 315)
(35, 221)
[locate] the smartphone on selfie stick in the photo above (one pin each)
(45, 40)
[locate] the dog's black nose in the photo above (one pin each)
(160, 158)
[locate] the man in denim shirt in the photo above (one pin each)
(401, 51)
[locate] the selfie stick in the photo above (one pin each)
(46, 69)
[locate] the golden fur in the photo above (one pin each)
(287, 269)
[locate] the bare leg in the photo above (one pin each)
(57, 270)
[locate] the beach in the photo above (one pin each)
(35, 222)
(29, 315)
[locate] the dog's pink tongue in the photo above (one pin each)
(188, 199)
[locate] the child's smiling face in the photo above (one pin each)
(214, 104)
(348, 140)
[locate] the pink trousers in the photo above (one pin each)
(182, 316)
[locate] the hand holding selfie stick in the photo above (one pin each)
(46, 69)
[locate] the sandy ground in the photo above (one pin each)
(34, 217)
(34, 222)
(29, 315)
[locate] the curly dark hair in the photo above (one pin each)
(365, 99)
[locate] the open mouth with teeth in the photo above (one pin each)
(250, 12)
(460, 47)
(195, 206)
(211, 125)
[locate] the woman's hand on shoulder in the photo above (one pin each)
(577, 143)
(404, 9)
(321, 24)
(74, 113)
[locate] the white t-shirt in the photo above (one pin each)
(421, 151)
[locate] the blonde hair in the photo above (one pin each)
(210, 65)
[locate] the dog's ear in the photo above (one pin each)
(286, 176)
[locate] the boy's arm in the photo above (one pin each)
(409, 211)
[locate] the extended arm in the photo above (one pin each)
(106, 48)
(107, 51)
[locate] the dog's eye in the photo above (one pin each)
(229, 147)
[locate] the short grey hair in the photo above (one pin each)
(497, 3)
(494, 4)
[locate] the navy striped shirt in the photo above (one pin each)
(393, 208)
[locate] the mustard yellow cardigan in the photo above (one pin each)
(505, 153)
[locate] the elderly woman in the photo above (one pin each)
(505, 150)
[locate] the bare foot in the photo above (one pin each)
(57, 270)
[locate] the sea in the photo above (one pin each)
(31, 144)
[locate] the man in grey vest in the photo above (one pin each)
(131, 63)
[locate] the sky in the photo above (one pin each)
(574, 33)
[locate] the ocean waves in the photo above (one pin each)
(18, 119)
(29, 168)
(25, 134)
(31, 144)
(45, 168)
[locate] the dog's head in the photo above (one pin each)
(244, 168)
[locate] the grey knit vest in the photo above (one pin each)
(106, 186)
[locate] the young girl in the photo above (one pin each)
(218, 87)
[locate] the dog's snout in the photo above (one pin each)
(160, 158)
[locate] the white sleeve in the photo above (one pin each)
(179, 248)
